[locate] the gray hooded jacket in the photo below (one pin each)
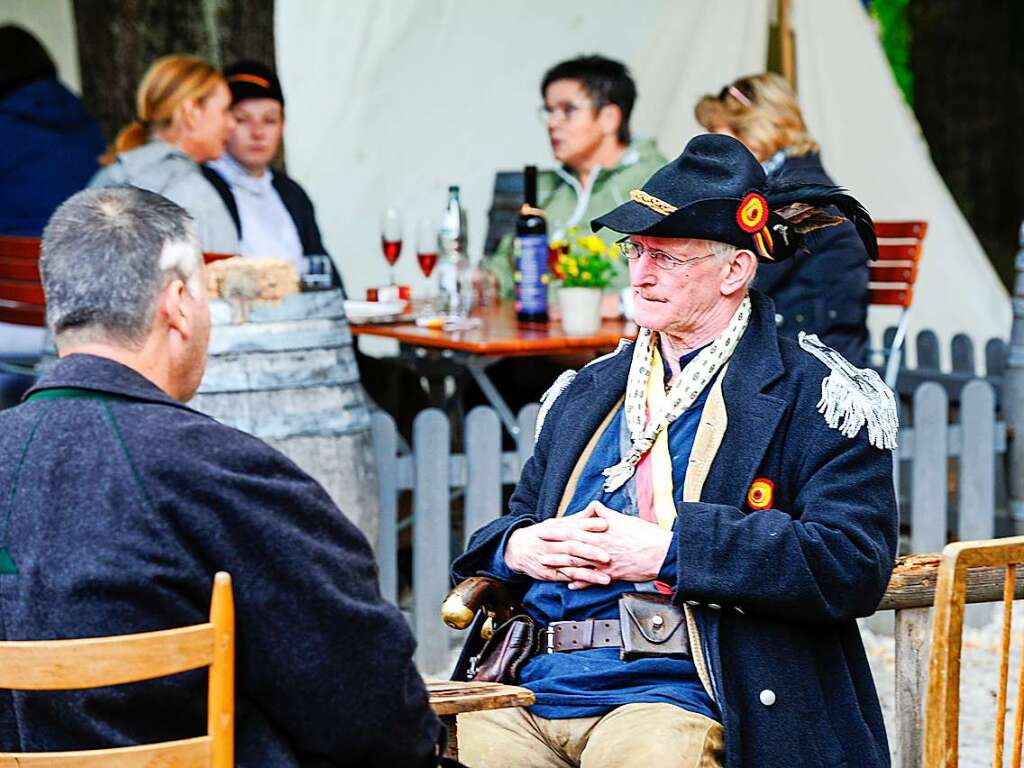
(163, 168)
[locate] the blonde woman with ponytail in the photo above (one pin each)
(183, 119)
(825, 289)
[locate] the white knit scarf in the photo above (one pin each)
(686, 388)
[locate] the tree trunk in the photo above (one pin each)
(969, 98)
(119, 39)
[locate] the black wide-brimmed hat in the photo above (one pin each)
(252, 80)
(717, 190)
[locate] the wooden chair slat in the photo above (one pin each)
(13, 247)
(19, 269)
(52, 665)
(942, 723)
(891, 297)
(899, 252)
(1004, 662)
(901, 229)
(23, 291)
(884, 273)
(19, 313)
(186, 753)
(220, 708)
(1018, 724)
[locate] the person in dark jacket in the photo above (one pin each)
(272, 212)
(705, 513)
(120, 504)
(51, 143)
(824, 290)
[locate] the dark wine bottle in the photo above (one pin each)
(531, 254)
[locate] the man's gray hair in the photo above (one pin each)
(106, 255)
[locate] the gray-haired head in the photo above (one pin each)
(106, 255)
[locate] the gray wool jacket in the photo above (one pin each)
(117, 512)
(163, 168)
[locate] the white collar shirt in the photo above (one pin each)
(268, 230)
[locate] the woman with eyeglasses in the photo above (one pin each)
(825, 289)
(585, 110)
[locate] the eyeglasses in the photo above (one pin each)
(565, 110)
(666, 261)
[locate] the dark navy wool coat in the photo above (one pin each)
(775, 592)
(123, 512)
(824, 289)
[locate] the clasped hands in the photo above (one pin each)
(595, 546)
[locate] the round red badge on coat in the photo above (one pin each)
(752, 214)
(760, 494)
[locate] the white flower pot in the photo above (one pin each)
(581, 310)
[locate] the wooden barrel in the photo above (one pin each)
(288, 375)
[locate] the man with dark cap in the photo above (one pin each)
(120, 503)
(273, 214)
(705, 513)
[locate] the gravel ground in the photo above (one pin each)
(979, 681)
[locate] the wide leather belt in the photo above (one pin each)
(561, 636)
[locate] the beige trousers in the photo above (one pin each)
(630, 736)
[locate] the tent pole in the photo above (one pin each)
(787, 53)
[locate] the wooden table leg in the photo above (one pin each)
(451, 722)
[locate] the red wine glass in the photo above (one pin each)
(391, 239)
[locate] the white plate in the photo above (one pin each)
(364, 310)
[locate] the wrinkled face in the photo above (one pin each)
(574, 126)
(211, 126)
(675, 301)
(259, 125)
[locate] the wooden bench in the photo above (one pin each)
(21, 293)
(451, 698)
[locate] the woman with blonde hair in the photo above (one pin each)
(184, 119)
(824, 289)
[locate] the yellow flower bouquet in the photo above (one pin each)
(584, 261)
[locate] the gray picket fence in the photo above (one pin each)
(965, 363)
(949, 468)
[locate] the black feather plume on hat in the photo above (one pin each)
(804, 207)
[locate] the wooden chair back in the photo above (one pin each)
(100, 661)
(21, 293)
(942, 712)
(892, 276)
(891, 280)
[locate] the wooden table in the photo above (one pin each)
(497, 336)
(449, 699)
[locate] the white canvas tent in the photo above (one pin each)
(389, 102)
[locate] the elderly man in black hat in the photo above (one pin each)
(706, 511)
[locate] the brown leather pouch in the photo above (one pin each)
(652, 625)
(511, 646)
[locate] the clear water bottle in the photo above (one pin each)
(453, 266)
